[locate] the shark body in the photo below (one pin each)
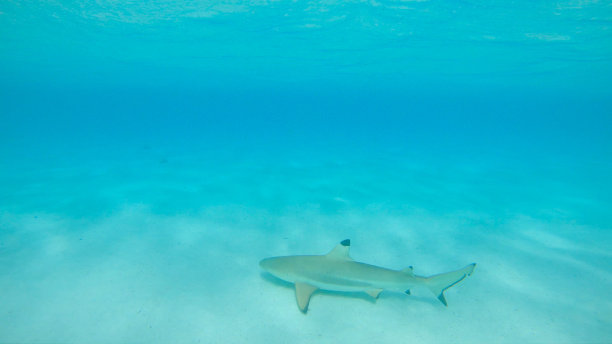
(337, 271)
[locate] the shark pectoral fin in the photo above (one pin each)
(303, 292)
(374, 292)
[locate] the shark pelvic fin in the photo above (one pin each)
(303, 292)
(374, 292)
(341, 251)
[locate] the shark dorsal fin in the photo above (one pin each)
(341, 251)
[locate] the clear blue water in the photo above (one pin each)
(151, 153)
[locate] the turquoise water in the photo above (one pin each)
(151, 153)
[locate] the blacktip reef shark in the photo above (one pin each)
(337, 271)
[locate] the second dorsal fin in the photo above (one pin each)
(408, 271)
(341, 251)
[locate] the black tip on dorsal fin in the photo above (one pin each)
(407, 291)
(346, 242)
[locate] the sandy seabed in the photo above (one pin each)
(167, 250)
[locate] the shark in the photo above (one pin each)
(337, 271)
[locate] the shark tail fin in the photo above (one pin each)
(439, 283)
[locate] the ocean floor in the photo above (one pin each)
(164, 248)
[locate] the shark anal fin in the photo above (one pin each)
(303, 292)
(374, 292)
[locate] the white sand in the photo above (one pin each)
(111, 254)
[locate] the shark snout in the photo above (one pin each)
(265, 263)
(273, 265)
